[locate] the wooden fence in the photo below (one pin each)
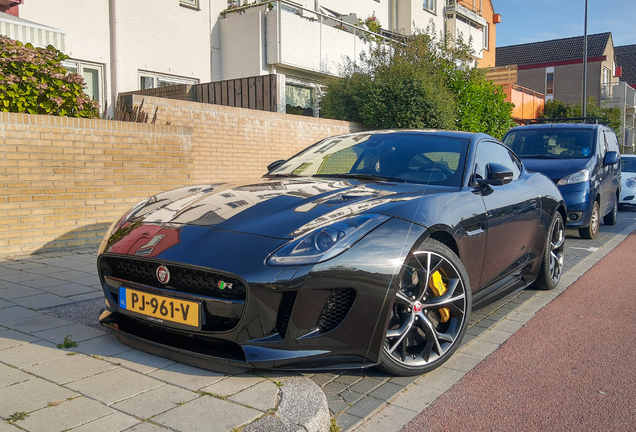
(260, 93)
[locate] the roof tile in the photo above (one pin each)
(552, 51)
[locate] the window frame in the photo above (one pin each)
(432, 8)
(79, 66)
(190, 4)
(157, 77)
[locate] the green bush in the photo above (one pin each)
(33, 81)
(557, 109)
(425, 83)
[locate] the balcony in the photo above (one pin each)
(463, 23)
(528, 104)
(623, 96)
(619, 94)
(293, 37)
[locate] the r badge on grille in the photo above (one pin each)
(163, 274)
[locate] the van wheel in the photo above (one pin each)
(610, 218)
(590, 231)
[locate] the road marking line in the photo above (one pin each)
(590, 249)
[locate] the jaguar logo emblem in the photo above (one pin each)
(163, 274)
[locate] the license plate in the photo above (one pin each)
(160, 309)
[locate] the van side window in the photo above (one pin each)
(612, 141)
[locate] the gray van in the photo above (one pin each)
(583, 160)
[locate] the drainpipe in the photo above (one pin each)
(114, 63)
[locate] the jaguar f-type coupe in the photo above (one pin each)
(364, 249)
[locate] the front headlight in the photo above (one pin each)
(326, 242)
(631, 183)
(578, 177)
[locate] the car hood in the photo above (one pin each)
(556, 169)
(278, 208)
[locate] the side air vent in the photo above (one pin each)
(284, 312)
(336, 309)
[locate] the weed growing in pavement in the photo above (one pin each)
(278, 383)
(333, 427)
(204, 393)
(71, 353)
(17, 416)
(68, 342)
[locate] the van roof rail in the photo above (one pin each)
(592, 120)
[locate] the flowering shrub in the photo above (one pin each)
(33, 81)
(373, 24)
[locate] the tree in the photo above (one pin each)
(424, 83)
(558, 109)
(33, 81)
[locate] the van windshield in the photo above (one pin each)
(551, 143)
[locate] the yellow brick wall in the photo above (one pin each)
(65, 180)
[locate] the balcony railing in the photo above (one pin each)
(475, 16)
(300, 38)
(619, 92)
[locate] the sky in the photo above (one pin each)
(524, 21)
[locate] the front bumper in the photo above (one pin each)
(328, 315)
(579, 202)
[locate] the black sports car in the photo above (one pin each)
(364, 249)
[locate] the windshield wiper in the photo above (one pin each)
(282, 175)
(540, 157)
(363, 177)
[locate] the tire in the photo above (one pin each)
(418, 339)
(612, 216)
(590, 231)
(552, 261)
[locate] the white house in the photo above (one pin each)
(126, 45)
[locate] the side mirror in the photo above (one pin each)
(611, 158)
(497, 175)
(274, 165)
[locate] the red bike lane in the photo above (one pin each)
(572, 367)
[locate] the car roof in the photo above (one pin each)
(435, 132)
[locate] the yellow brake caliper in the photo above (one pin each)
(436, 284)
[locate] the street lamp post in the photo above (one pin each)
(584, 104)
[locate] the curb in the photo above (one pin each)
(302, 408)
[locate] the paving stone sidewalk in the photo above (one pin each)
(60, 372)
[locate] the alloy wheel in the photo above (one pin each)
(557, 238)
(429, 312)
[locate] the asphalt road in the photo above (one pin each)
(570, 368)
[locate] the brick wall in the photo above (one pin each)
(65, 180)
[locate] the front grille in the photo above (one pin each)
(182, 278)
(336, 309)
(284, 312)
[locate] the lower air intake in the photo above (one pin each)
(336, 309)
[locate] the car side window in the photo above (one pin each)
(492, 152)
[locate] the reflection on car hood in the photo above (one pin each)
(279, 208)
(556, 169)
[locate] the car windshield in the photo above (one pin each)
(628, 164)
(410, 157)
(551, 143)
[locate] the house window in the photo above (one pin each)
(607, 75)
(148, 80)
(299, 100)
(92, 75)
(233, 3)
(429, 5)
(194, 4)
(486, 36)
(549, 83)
